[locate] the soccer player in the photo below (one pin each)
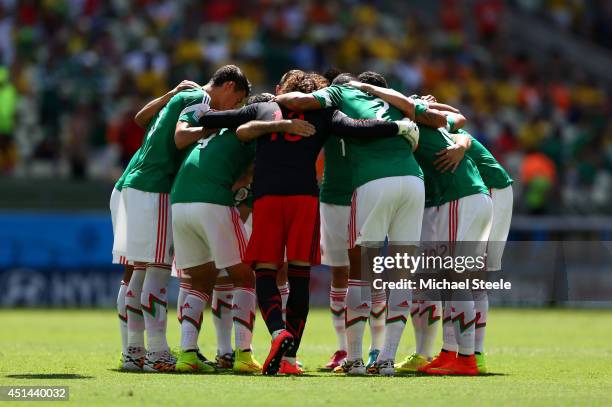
(499, 184)
(335, 211)
(464, 215)
(387, 200)
(209, 235)
(142, 118)
(148, 238)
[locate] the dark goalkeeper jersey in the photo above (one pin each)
(285, 163)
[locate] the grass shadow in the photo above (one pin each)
(419, 374)
(45, 376)
(218, 373)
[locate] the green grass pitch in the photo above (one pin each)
(538, 357)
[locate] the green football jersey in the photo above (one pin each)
(447, 186)
(371, 158)
(336, 186)
(211, 169)
(133, 160)
(491, 171)
(159, 158)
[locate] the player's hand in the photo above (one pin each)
(449, 158)
(429, 98)
(408, 130)
(185, 85)
(299, 128)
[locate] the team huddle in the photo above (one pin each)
(226, 198)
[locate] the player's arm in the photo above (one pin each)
(434, 104)
(185, 135)
(298, 101)
(257, 128)
(455, 121)
(190, 128)
(229, 119)
(144, 116)
(423, 114)
(391, 96)
(450, 157)
(419, 111)
(344, 126)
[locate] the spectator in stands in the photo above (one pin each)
(8, 105)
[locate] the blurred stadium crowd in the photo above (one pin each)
(73, 73)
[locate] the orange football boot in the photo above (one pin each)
(280, 345)
(461, 365)
(442, 358)
(287, 368)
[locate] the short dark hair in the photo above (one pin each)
(259, 98)
(331, 74)
(343, 78)
(373, 78)
(231, 73)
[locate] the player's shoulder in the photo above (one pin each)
(266, 110)
(191, 95)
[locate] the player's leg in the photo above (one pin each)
(376, 320)
(121, 310)
(266, 250)
(368, 226)
(243, 315)
(282, 282)
(445, 221)
(337, 306)
(149, 242)
(430, 305)
(502, 200)
(426, 311)
(154, 298)
(126, 227)
(298, 274)
(303, 250)
(202, 281)
(430, 314)
(404, 237)
(475, 216)
(127, 274)
(221, 308)
(193, 259)
(228, 242)
(184, 286)
(135, 320)
(154, 302)
(334, 245)
(471, 217)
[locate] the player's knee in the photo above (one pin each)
(127, 273)
(340, 275)
(242, 275)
